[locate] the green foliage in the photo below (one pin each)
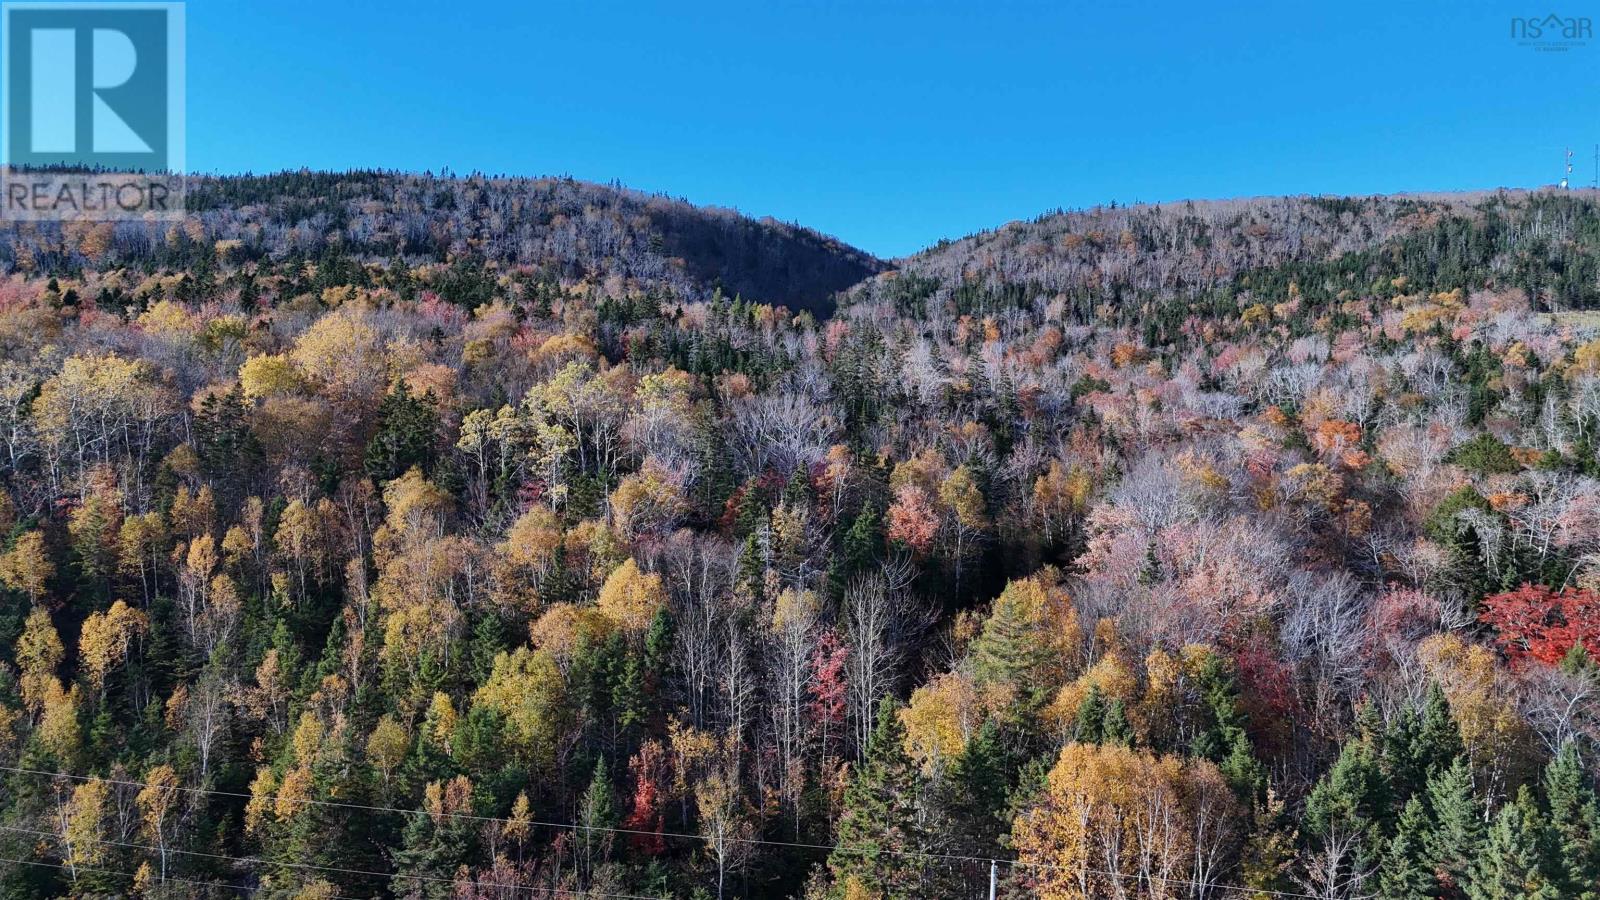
(1484, 454)
(879, 823)
(1574, 818)
(1516, 861)
(406, 435)
(1457, 835)
(1407, 871)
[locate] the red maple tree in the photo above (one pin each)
(1535, 621)
(646, 816)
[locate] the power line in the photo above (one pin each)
(912, 854)
(386, 876)
(216, 884)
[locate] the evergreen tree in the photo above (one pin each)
(1223, 739)
(597, 812)
(1416, 745)
(407, 433)
(1516, 860)
(1115, 728)
(1351, 800)
(978, 784)
(1438, 740)
(1457, 833)
(863, 541)
(488, 640)
(1089, 727)
(437, 841)
(1406, 873)
(882, 819)
(1575, 822)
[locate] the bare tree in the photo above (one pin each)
(881, 619)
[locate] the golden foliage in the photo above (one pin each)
(269, 376)
(631, 597)
(941, 717)
(526, 688)
(1121, 822)
(104, 641)
(27, 567)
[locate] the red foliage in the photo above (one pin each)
(1534, 621)
(912, 520)
(828, 687)
(1266, 690)
(645, 817)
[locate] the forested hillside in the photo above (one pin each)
(379, 535)
(471, 230)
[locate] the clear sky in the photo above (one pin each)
(893, 124)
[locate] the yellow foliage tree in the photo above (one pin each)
(343, 352)
(1496, 737)
(38, 653)
(387, 746)
(631, 597)
(268, 376)
(941, 717)
(27, 567)
(1117, 822)
(82, 822)
(103, 644)
(525, 687)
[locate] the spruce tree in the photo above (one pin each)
(882, 820)
(597, 812)
(1575, 822)
(1406, 873)
(1417, 745)
(1516, 860)
(1350, 800)
(1457, 832)
(408, 429)
(1089, 727)
(1438, 741)
(977, 787)
(1010, 650)
(1115, 728)
(862, 542)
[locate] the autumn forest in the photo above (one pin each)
(380, 535)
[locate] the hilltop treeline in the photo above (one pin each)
(623, 239)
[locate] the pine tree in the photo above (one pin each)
(1406, 873)
(1575, 822)
(1516, 860)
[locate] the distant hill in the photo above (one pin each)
(1542, 241)
(572, 229)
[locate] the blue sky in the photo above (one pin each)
(893, 124)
